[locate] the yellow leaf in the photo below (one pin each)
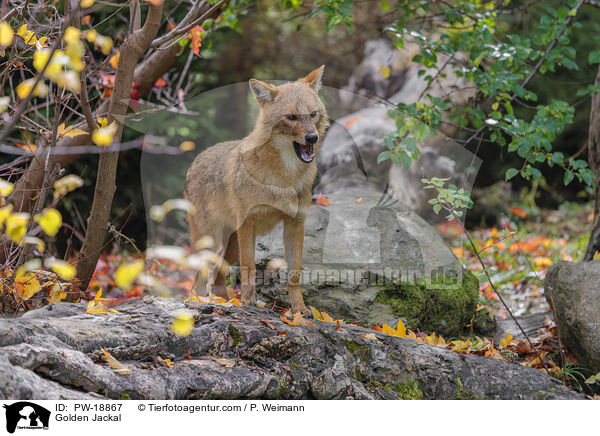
(115, 364)
(70, 132)
(5, 213)
(91, 35)
(183, 324)
(64, 269)
(299, 320)
(542, 261)
(41, 245)
(508, 340)
(388, 330)
(316, 313)
(30, 265)
(16, 226)
(49, 220)
(27, 286)
(114, 62)
(6, 34)
(96, 307)
(461, 346)
(370, 336)
(27, 35)
(596, 254)
(6, 188)
(401, 329)
(127, 273)
(385, 71)
(66, 184)
(495, 106)
(25, 88)
(433, 339)
(103, 136)
(235, 302)
(185, 145)
(57, 293)
(105, 43)
(86, 3)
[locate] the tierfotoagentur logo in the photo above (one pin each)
(25, 415)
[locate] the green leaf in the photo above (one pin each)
(594, 57)
(510, 173)
(385, 5)
(384, 155)
(568, 177)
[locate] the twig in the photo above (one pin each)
(489, 278)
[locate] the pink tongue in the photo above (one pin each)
(306, 154)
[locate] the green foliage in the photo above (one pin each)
(449, 198)
(501, 66)
(337, 11)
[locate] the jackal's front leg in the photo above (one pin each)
(246, 242)
(293, 237)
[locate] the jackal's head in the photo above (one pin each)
(292, 116)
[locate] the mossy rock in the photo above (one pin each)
(442, 306)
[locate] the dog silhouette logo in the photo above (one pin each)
(26, 415)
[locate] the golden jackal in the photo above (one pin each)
(241, 189)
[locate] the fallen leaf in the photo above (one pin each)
(115, 364)
(27, 286)
(267, 323)
(322, 200)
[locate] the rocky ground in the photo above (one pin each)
(238, 353)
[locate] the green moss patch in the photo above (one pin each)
(442, 306)
(236, 335)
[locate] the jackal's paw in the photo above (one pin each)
(249, 301)
(306, 313)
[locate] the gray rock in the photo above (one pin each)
(59, 357)
(573, 291)
(372, 262)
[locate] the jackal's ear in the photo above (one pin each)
(314, 78)
(263, 92)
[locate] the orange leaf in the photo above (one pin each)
(160, 83)
(322, 200)
(196, 34)
(518, 211)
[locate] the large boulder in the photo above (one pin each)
(573, 292)
(369, 259)
(238, 353)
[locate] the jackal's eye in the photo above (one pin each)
(313, 114)
(291, 117)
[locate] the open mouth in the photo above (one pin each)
(304, 152)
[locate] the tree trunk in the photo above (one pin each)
(594, 162)
(134, 46)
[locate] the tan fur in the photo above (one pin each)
(243, 188)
